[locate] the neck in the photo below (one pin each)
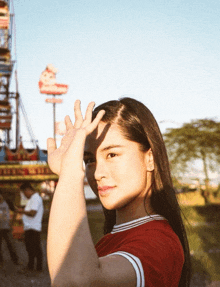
(134, 210)
(139, 206)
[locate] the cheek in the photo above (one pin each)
(134, 176)
(132, 169)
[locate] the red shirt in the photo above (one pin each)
(151, 246)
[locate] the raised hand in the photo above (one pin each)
(70, 153)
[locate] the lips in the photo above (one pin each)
(104, 190)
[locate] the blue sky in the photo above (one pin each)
(164, 53)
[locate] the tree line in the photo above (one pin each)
(196, 140)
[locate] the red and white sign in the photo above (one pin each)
(20, 172)
(54, 101)
(48, 84)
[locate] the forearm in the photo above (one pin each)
(71, 253)
(30, 213)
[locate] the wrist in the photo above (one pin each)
(74, 172)
(71, 177)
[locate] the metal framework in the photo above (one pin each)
(6, 68)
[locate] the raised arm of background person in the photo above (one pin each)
(72, 258)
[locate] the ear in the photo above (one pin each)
(149, 160)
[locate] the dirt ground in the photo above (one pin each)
(9, 273)
(10, 276)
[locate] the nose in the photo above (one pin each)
(100, 171)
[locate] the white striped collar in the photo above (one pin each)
(136, 222)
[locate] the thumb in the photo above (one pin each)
(51, 145)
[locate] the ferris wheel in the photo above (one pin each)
(10, 102)
(6, 67)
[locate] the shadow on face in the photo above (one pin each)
(95, 138)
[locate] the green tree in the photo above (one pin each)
(199, 139)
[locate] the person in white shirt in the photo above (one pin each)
(32, 221)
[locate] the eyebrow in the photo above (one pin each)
(110, 147)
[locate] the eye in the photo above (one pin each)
(110, 155)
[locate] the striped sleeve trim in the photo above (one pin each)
(137, 265)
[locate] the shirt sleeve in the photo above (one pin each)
(34, 202)
(137, 265)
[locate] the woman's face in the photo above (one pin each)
(116, 168)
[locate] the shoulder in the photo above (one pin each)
(36, 201)
(156, 240)
(155, 234)
(156, 246)
(36, 196)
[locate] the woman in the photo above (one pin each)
(127, 167)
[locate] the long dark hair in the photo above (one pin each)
(138, 124)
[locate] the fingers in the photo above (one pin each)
(88, 115)
(68, 123)
(51, 145)
(90, 128)
(78, 115)
(87, 122)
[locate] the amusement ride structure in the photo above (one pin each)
(17, 164)
(6, 68)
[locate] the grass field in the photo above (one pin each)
(203, 230)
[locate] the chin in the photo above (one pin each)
(112, 205)
(107, 205)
